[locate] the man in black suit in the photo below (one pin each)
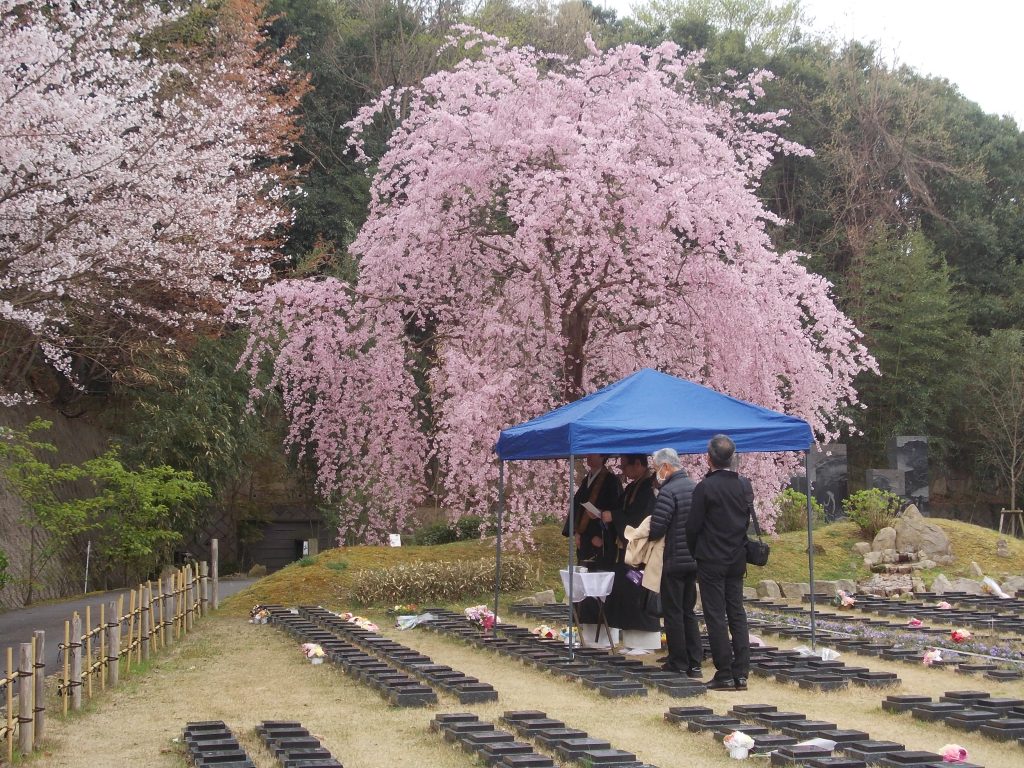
(716, 533)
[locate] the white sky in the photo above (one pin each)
(976, 45)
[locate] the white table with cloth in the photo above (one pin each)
(598, 585)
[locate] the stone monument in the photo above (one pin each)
(908, 454)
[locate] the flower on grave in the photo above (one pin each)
(564, 634)
(844, 600)
(953, 753)
(960, 635)
(915, 623)
(944, 606)
(259, 615)
(546, 632)
(932, 656)
(738, 744)
(482, 616)
(347, 616)
(312, 651)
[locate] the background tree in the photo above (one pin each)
(131, 200)
(995, 403)
(51, 520)
(534, 254)
(140, 514)
(904, 303)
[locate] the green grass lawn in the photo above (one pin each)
(327, 579)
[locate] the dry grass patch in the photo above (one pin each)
(240, 673)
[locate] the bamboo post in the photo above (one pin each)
(197, 603)
(88, 651)
(214, 572)
(142, 629)
(145, 620)
(186, 577)
(76, 662)
(67, 666)
(113, 631)
(10, 705)
(204, 587)
(165, 613)
(158, 616)
(176, 604)
(25, 694)
(129, 648)
(39, 668)
(102, 665)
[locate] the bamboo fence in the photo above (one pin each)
(94, 653)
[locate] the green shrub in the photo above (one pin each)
(3, 569)
(791, 511)
(872, 510)
(445, 533)
(439, 581)
(306, 561)
(338, 565)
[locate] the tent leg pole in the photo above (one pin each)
(572, 552)
(497, 560)
(810, 543)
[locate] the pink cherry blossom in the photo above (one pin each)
(131, 205)
(540, 228)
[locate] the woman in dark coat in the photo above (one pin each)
(630, 607)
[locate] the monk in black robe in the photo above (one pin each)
(595, 537)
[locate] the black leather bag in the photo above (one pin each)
(757, 551)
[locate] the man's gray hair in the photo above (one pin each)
(721, 449)
(667, 456)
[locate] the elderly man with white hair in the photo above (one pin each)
(679, 571)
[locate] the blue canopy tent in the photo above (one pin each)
(640, 414)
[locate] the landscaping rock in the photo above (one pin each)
(970, 586)
(941, 585)
(1013, 584)
(849, 586)
(545, 598)
(792, 589)
(884, 539)
(975, 570)
(862, 547)
(749, 593)
(768, 588)
(918, 584)
(529, 600)
(828, 587)
(872, 559)
(1002, 548)
(914, 533)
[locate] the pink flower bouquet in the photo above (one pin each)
(481, 616)
(953, 753)
(944, 606)
(960, 635)
(931, 657)
(915, 623)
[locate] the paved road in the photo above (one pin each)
(17, 626)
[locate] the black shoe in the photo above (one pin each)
(668, 667)
(741, 683)
(714, 684)
(694, 673)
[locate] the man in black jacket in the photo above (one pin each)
(679, 569)
(716, 533)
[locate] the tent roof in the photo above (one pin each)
(647, 411)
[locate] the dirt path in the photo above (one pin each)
(240, 673)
